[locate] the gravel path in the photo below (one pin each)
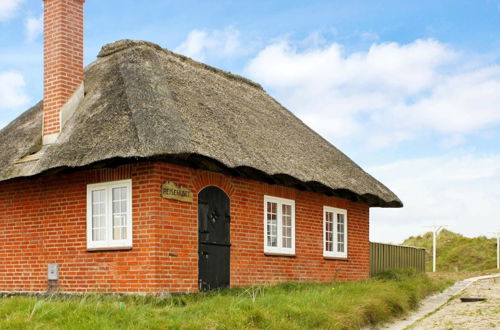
(437, 312)
(473, 315)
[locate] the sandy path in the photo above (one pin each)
(477, 315)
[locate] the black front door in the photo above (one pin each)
(213, 239)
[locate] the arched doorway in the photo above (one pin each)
(213, 239)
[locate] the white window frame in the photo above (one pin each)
(109, 243)
(279, 250)
(335, 253)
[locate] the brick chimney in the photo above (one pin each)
(63, 61)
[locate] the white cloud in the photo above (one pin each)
(385, 95)
(463, 102)
(12, 90)
(201, 44)
(458, 191)
(9, 8)
(369, 36)
(33, 27)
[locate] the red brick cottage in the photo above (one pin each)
(150, 172)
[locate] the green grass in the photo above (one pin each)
(456, 253)
(285, 306)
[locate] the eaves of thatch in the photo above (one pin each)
(142, 102)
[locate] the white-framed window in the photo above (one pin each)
(279, 226)
(109, 215)
(334, 232)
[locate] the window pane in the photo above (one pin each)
(340, 232)
(119, 213)
(286, 222)
(98, 215)
(340, 247)
(272, 224)
(287, 242)
(287, 210)
(329, 231)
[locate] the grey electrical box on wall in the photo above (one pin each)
(53, 272)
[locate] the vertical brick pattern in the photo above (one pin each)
(63, 58)
(43, 220)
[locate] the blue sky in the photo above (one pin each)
(409, 89)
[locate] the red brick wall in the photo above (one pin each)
(63, 57)
(43, 220)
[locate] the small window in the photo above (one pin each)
(279, 226)
(334, 232)
(109, 215)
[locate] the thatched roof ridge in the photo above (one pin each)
(118, 46)
(144, 102)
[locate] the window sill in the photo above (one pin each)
(335, 258)
(109, 248)
(280, 254)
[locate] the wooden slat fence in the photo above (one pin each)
(389, 257)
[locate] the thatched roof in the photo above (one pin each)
(144, 102)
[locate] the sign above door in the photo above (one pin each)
(170, 190)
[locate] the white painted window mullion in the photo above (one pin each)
(280, 248)
(335, 232)
(108, 240)
(280, 225)
(335, 213)
(109, 215)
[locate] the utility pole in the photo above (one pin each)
(436, 229)
(497, 234)
(498, 248)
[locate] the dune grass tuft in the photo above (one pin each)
(457, 253)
